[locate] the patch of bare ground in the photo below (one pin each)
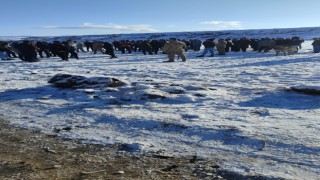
(28, 154)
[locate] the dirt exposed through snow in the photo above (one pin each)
(27, 154)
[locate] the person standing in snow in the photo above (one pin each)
(297, 41)
(174, 47)
(59, 49)
(209, 45)
(221, 46)
(235, 45)
(43, 47)
(3, 51)
(316, 45)
(155, 44)
(72, 49)
(3, 54)
(228, 45)
(79, 46)
(195, 44)
(97, 46)
(88, 45)
(28, 51)
(109, 49)
(145, 47)
(244, 44)
(126, 45)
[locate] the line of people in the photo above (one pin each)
(285, 45)
(28, 50)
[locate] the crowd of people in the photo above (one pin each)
(33, 51)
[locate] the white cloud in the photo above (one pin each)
(147, 28)
(224, 25)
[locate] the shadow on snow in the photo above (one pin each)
(231, 138)
(284, 100)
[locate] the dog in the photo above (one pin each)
(285, 49)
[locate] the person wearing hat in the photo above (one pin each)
(174, 47)
(209, 45)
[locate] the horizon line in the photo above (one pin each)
(158, 32)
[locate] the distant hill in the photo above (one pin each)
(307, 33)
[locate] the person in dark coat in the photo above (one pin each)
(43, 47)
(60, 49)
(117, 45)
(71, 49)
(16, 48)
(146, 47)
(297, 41)
(28, 51)
(316, 45)
(109, 49)
(6, 48)
(282, 42)
(3, 51)
(195, 44)
(88, 45)
(155, 44)
(209, 45)
(162, 42)
(244, 44)
(228, 45)
(235, 45)
(187, 42)
(136, 45)
(254, 44)
(125, 45)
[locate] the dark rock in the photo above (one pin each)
(306, 90)
(116, 83)
(74, 81)
(152, 96)
(65, 80)
(193, 159)
(67, 128)
(199, 95)
(170, 168)
(160, 156)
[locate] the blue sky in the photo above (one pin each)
(85, 17)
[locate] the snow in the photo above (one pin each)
(232, 108)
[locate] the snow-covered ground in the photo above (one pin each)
(232, 108)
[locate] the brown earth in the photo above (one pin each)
(27, 154)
